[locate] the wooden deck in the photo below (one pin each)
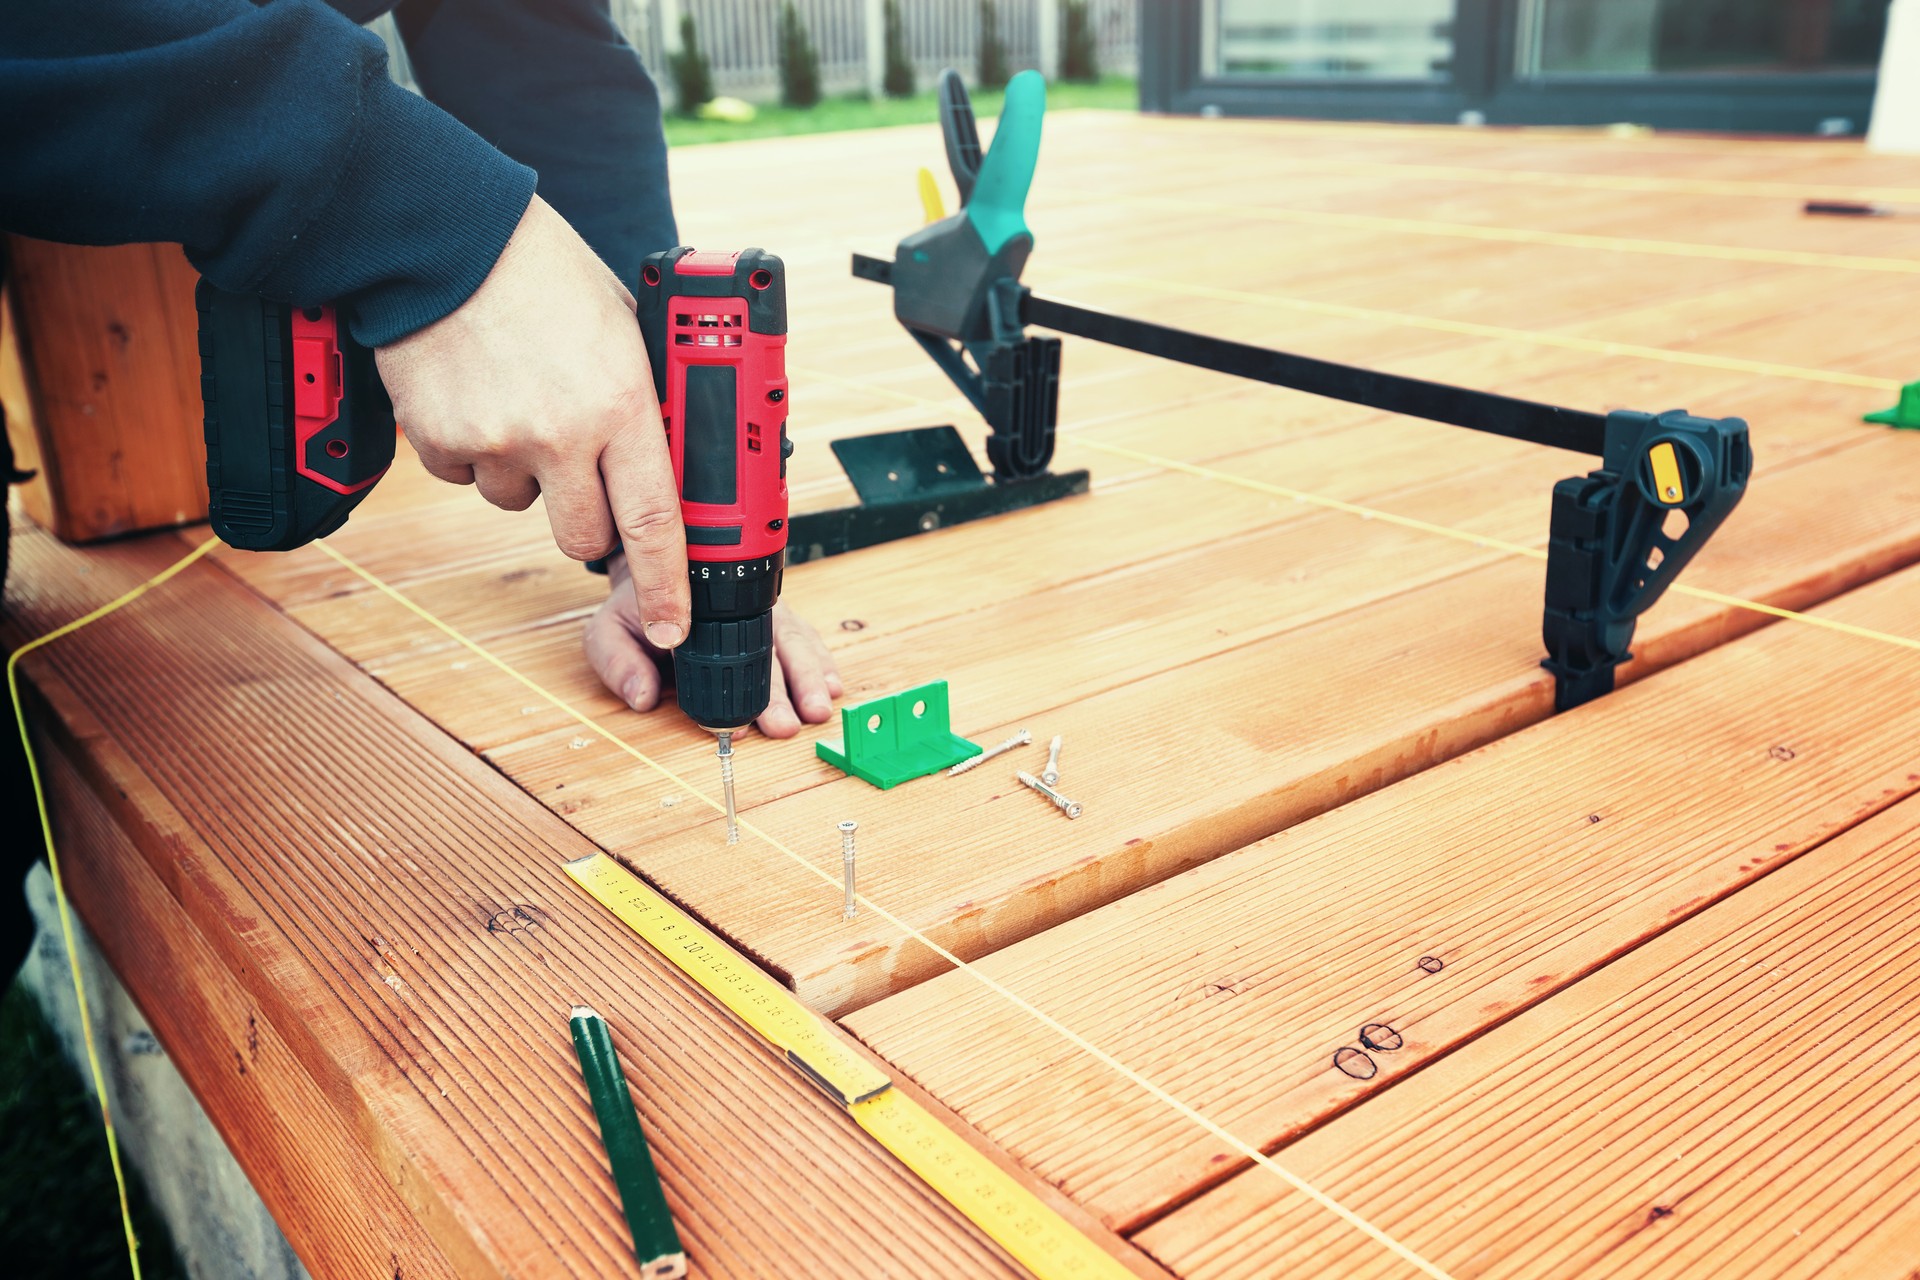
(1662, 1026)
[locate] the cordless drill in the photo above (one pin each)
(715, 325)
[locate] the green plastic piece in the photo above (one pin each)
(1906, 414)
(997, 207)
(896, 739)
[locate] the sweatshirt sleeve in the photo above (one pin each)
(555, 85)
(266, 139)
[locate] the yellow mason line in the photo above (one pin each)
(1521, 235)
(1739, 187)
(1468, 328)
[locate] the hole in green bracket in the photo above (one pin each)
(908, 735)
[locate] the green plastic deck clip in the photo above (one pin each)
(1906, 414)
(896, 739)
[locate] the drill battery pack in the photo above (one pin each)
(298, 424)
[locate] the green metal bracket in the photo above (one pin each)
(1905, 414)
(896, 739)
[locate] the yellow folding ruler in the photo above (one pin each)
(1044, 1242)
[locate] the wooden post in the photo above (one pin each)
(102, 386)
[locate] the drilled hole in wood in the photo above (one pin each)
(1381, 1037)
(1356, 1064)
(1432, 964)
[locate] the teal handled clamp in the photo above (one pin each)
(956, 285)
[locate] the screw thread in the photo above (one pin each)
(1019, 739)
(1069, 807)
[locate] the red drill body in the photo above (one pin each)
(715, 326)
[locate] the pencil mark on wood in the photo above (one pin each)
(1780, 753)
(514, 919)
(1380, 1036)
(1356, 1064)
(253, 1039)
(1432, 964)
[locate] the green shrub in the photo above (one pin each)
(899, 78)
(799, 61)
(1079, 55)
(993, 52)
(692, 77)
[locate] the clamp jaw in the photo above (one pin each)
(1620, 535)
(956, 289)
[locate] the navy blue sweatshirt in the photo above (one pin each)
(269, 141)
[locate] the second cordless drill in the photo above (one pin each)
(715, 326)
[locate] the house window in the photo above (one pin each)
(1329, 39)
(1680, 37)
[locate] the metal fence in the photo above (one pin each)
(741, 38)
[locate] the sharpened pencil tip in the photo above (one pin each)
(583, 1011)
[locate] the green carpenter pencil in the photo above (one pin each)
(655, 1242)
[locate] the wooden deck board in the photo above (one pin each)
(1521, 867)
(1224, 663)
(346, 862)
(1736, 1097)
(1167, 590)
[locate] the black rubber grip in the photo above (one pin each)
(723, 672)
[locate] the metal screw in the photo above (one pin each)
(1019, 739)
(1052, 773)
(726, 785)
(848, 908)
(1069, 807)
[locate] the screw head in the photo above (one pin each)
(848, 826)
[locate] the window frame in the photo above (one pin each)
(1484, 79)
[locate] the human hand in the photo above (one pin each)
(538, 385)
(805, 679)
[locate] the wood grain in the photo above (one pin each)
(398, 912)
(295, 1148)
(1520, 867)
(1736, 1098)
(1165, 620)
(112, 376)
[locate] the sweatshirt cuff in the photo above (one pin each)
(419, 213)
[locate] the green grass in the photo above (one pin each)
(59, 1215)
(835, 115)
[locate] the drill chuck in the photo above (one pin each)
(723, 671)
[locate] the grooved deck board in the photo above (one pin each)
(1160, 608)
(352, 869)
(1521, 867)
(295, 1148)
(1223, 662)
(1739, 1097)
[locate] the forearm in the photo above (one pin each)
(266, 139)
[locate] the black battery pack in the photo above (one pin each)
(298, 424)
